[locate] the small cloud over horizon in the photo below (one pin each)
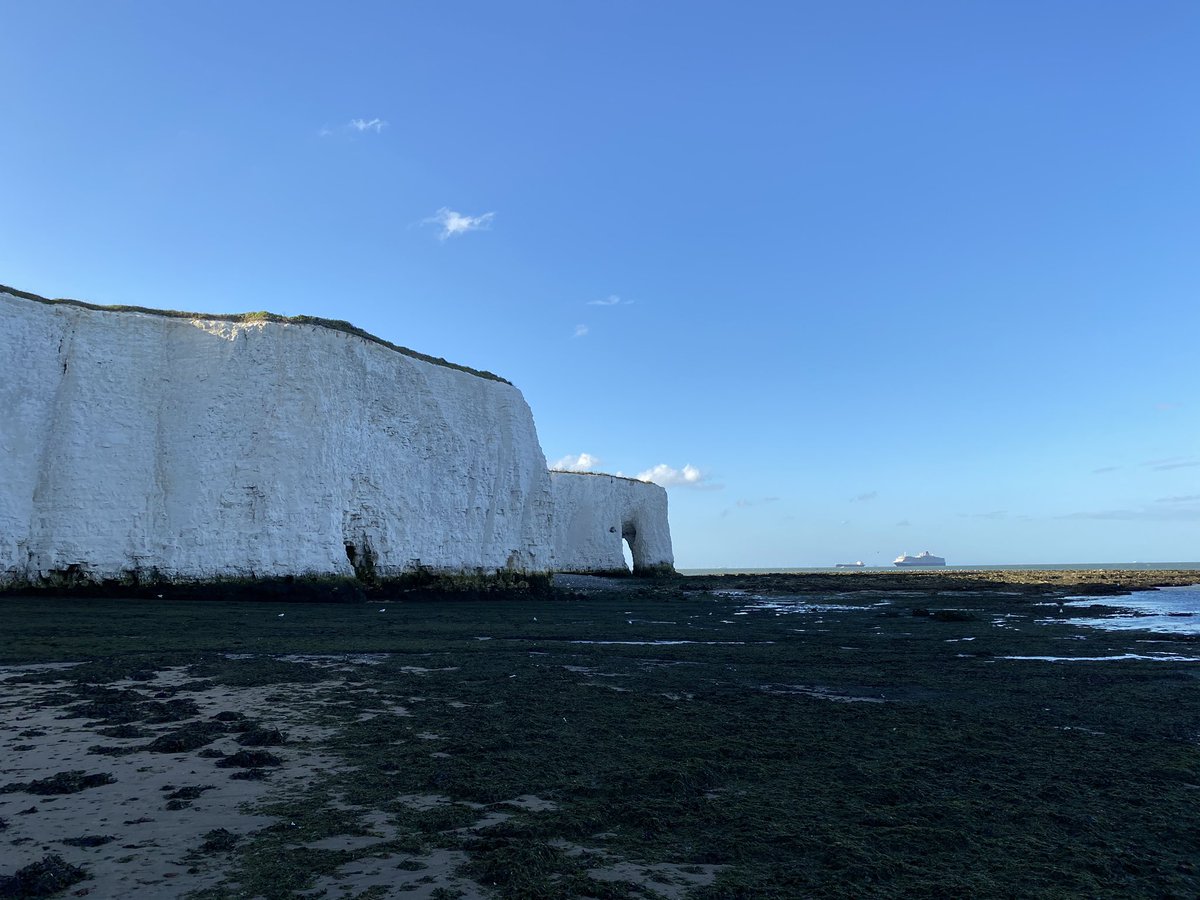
(580, 331)
(610, 300)
(584, 462)
(667, 476)
(454, 223)
(861, 498)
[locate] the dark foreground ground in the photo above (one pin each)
(709, 737)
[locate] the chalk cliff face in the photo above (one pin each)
(592, 513)
(194, 448)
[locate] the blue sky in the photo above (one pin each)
(888, 276)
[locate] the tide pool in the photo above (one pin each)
(1171, 610)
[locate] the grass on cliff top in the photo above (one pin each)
(853, 749)
(600, 475)
(332, 324)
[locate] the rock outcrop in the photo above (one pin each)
(594, 513)
(139, 446)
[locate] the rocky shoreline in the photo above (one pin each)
(685, 737)
(1088, 582)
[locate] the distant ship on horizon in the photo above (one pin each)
(857, 564)
(924, 558)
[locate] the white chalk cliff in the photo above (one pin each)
(157, 447)
(592, 515)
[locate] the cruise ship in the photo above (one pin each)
(924, 558)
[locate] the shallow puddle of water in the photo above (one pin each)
(1164, 657)
(799, 605)
(1171, 610)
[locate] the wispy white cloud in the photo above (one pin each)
(580, 331)
(455, 223)
(610, 300)
(354, 126)
(861, 498)
(1172, 462)
(584, 462)
(747, 502)
(1182, 512)
(666, 476)
(376, 125)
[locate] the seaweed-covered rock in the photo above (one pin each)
(44, 878)
(89, 840)
(249, 759)
(62, 783)
(190, 792)
(108, 750)
(250, 775)
(262, 737)
(190, 737)
(219, 840)
(953, 615)
(158, 713)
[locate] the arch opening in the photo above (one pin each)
(629, 546)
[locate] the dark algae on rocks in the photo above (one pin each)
(708, 737)
(47, 877)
